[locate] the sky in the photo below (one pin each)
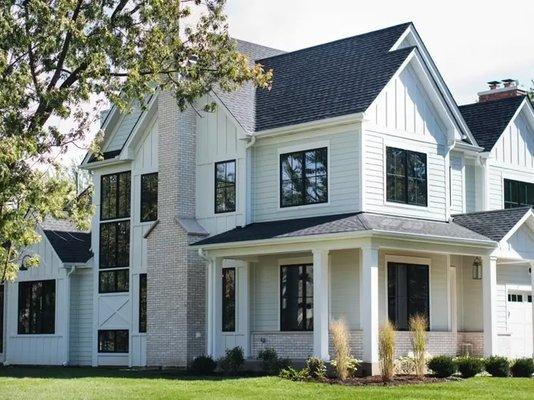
(471, 41)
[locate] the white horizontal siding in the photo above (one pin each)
(81, 318)
(344, 174)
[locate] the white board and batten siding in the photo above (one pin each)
(403, 116)
(344, 172)
(46, 349)
(81, 317)
(219, 138)
(512, 157)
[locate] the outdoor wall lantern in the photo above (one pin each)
(477, 268)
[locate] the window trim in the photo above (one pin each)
(400, 204)
(292, 263)
(117, 197)
(141, 192)
(113, 270)
(55, 308)
(504, 180)
(416, 261)
(303, 149)
(116, 241)
(234, 160)
(112, 352)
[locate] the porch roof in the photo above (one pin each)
(346, 223)
(494, 224)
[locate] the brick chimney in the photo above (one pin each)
(509, 88)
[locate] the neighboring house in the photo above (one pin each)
(356, 188)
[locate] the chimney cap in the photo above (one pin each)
(508, 80)
(493, 82)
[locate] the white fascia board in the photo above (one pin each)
(528, 214)
(453, 107)
(488, 244)
(104, 163)
(319, 124)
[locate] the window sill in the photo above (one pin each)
(35, 335)
(302, 207)
(405, 206)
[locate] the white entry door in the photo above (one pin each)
(520, 323)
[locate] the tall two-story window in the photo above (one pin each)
(406, 177)
(37, 307)
(304, 177)
(149, 197)
(114, 254)
(225, 191)
(518, 194)
(408, 293)
(296, 297)
(142, 303)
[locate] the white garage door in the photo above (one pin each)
(520, 323)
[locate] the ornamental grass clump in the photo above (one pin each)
(340, 338)
(418, 326)
(386, 351)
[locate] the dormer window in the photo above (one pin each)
(406, 177)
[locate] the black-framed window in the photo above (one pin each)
(225, 190)
(115, 196)
(406, 177)
(296, 297)
(114, 281)
(114, 244)
(408, 293)
(149, 197)
(142, 303)
(228, 299)
(518, 194)
(1, 318)
(304, 177)
(37, 307)
(113, 341)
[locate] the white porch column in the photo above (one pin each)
(320, 304)
(532, 294)
(489, 294)
(213, 306)
(369, 306)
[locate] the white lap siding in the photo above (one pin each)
(81, 317)
(457, 183)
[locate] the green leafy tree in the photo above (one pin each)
(57, 56)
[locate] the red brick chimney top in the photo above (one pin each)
(509, 88)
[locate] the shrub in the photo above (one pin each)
(469, 366)
(498, 366)
(405, 365)
(340, 338)
(386, 351)
(233, 361)
(523, 367)
(418, 325)
(203, 365)
(352, 367)
(442, 366)
(294, 375)
(271, 364)
(315, 368)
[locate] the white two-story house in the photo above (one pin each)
(355, 189)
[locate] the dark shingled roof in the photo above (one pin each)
(343, 223)
(487, 120)
(329, 80)
(71, 247)
(492, 224)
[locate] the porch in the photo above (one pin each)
(283, 294)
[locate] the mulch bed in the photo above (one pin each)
(398, 380)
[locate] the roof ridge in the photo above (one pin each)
(478, 103)
(337, 40)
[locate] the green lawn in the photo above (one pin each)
(88, 384)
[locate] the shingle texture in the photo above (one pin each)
(492, 224)
(329, 80)
(487, 120)
(71, 247)
(343, 223)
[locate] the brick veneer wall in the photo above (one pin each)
(176, 280)
(476, 339)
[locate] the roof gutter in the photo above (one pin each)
(320, 124)
(384, 234)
